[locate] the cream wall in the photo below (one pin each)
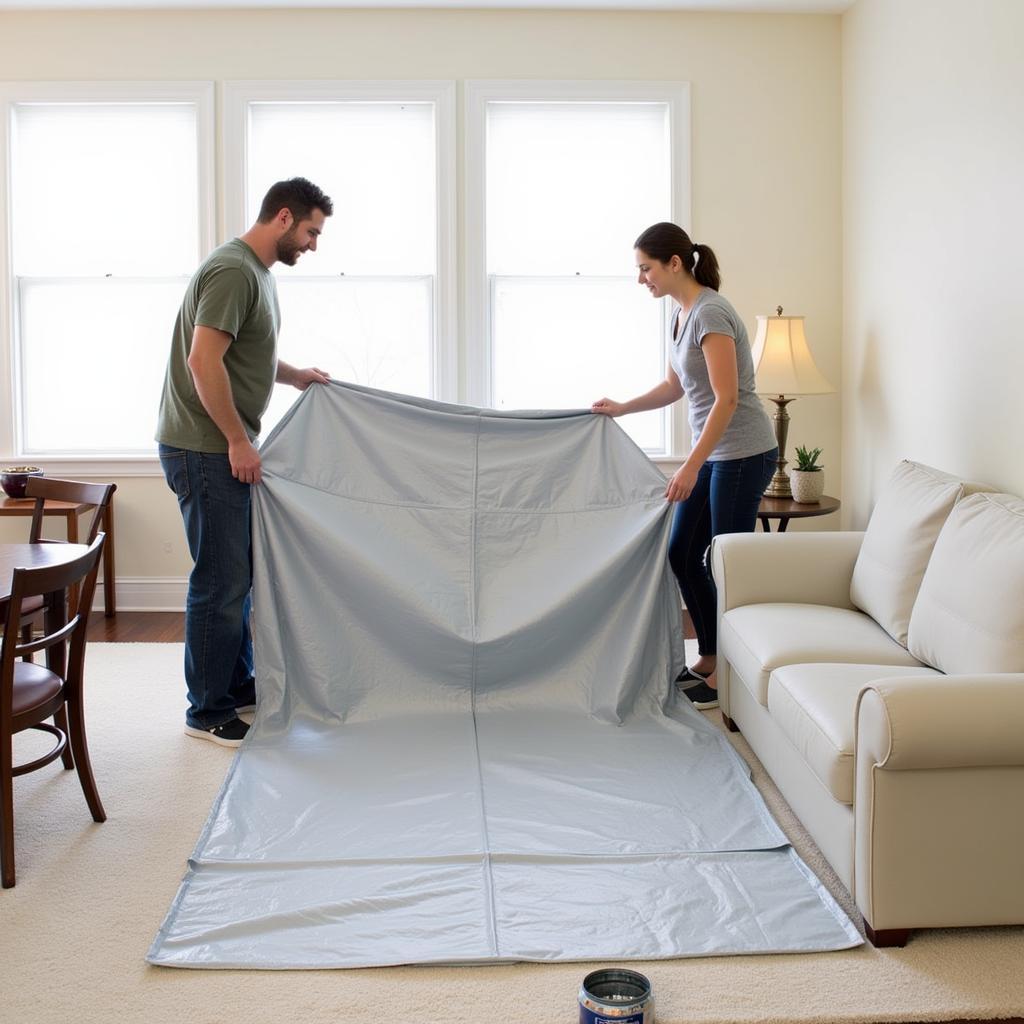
(766, 107)
(933, 220)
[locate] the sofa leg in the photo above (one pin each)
(886, 938)
(730, 724)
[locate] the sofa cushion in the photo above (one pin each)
(969, 613)
(759, 638)
(898, 542)
(815, 707)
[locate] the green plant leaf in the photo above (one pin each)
(807, 461)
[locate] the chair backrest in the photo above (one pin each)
(41, 488)
(51, 582)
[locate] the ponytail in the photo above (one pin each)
(706, 270)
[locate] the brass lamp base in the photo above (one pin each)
(778, 486)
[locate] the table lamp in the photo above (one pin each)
(784, 367)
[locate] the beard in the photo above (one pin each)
(288, 250)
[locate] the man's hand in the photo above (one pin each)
(683, 481)
(245, 462)
(301, 379)
(607, 407)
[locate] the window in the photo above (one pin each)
(108, 208)
(370, 306)
(108, 212)
(566, 176)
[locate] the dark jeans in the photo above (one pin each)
(218, 645)
(724, 500)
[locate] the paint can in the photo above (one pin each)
(615, 996)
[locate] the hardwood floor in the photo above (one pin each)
(137, 628)
(169, 627)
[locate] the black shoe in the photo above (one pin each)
(227, 734)
(702, 696)
(690, 677)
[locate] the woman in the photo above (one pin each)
(720, 483)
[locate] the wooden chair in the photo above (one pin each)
(30, 693)
(41, 488)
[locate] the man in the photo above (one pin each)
(221, 371)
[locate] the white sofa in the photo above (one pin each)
(879, 677)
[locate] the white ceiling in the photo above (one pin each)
(746, 6)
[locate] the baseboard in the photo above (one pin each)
(147, 594)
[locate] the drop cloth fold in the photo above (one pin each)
(467, 747)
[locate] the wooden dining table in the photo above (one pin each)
(33, 556)
(70, 511)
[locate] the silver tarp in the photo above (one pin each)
(467, 747)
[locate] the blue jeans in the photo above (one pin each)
(218, 645)
(724, 500)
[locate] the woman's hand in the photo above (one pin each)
(682, 483)
(606, 407)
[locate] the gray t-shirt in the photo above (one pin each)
(234, 292)
(749, 431)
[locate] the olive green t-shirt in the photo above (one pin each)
(234, 292)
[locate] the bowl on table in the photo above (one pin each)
(14, 479)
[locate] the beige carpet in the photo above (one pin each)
(89, 899)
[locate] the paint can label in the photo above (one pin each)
(590, 1017)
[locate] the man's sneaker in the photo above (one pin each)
(228, 734)
(246, 709)
(702, 696)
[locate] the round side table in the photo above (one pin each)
(785, 509)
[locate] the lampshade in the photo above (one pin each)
(782, 360)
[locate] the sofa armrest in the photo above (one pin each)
(910, 723)
(939, 773)
(798, 568)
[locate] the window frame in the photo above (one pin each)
(477, 312)
(238, 94)
(13, 95)
(462, 363)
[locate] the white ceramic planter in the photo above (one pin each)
(807, 486)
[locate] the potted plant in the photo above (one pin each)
(807, 479)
